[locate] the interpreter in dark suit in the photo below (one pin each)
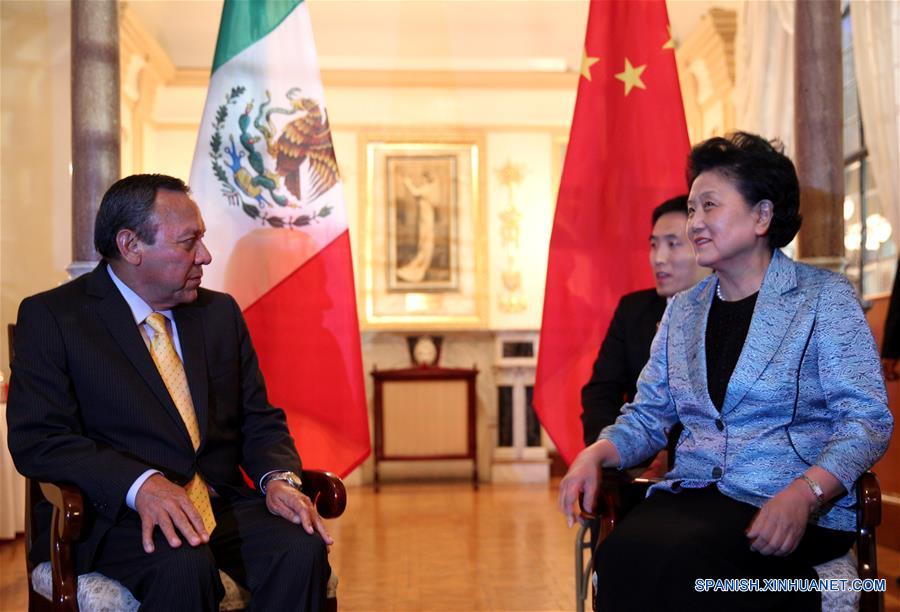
(144, 390)
(626, 347)
(890, 343)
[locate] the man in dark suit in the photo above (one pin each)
(144, 390)
(626, 347)
(890, 342)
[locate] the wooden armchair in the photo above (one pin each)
(617, 496)
(324, 488)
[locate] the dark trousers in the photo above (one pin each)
(653, 557)
(283, 567)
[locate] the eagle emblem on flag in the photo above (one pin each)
(276, 162)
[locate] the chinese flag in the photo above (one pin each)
(626, 154)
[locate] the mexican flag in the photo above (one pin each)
(265, 177)
(627, 151)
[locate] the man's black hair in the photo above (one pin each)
(129, 204)
(677, 204)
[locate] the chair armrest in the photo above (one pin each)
(67, 522)
(327, 492)
(68, 508)
(868, 517)
(609, 496)
(868, 493)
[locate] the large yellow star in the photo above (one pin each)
(586, 63)
(670, 44)
(631, 76)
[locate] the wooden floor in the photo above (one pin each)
(441, 547)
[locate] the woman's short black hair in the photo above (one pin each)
(128, 204)
(760, 171)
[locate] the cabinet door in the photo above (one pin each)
(425, 418)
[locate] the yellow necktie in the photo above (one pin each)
(172, 372)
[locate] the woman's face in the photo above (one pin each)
(722, 226)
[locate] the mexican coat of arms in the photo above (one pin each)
(262, 169)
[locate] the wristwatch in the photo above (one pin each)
(816, 489)
(288, 477)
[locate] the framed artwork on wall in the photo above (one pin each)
(422, 202)
(422, 231)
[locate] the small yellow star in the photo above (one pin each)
(586, 63)
(631, 76)
(670, 44)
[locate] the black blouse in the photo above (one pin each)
(726, 331)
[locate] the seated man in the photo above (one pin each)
(890, 343)
(626, 347)
(144, 390)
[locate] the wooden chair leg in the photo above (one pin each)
(582, 571)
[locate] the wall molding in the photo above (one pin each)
(416, 79)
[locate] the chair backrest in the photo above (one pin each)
(33, 496)
(11, 338)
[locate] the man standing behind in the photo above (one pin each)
(144, 390)
(626, 347)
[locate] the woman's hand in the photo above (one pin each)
(584, 477)
(780, 523)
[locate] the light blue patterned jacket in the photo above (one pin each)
(807, 389)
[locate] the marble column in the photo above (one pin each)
(95, 120)
(818, 125)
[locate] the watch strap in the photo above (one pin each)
(289, 477)
(816, 489)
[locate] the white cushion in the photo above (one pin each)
(842, 567)
(97, 593)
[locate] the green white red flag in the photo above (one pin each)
(626, 154)
(265, 176)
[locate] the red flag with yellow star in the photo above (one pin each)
(627, 151)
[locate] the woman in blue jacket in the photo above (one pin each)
(772, 370)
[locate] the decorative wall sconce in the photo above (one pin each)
(512, 299)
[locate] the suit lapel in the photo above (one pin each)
(645, 325)
(116, 315)
(190, 335)
(690, 333)
(775, 309)
(655, 312)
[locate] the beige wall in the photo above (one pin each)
(519, 118)
(35, 217)
(516, 125)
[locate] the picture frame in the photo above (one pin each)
(422, 229)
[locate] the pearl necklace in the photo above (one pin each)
(719, 291)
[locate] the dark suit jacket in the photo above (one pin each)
(622, 356)
(890, 345)
(88, 406)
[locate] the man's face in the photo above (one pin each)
(674, 264)
(170, 270)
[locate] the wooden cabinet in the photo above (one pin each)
(425, 414)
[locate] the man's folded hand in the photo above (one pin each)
(162, 503)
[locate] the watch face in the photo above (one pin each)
(289, 478)
(425, 352)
